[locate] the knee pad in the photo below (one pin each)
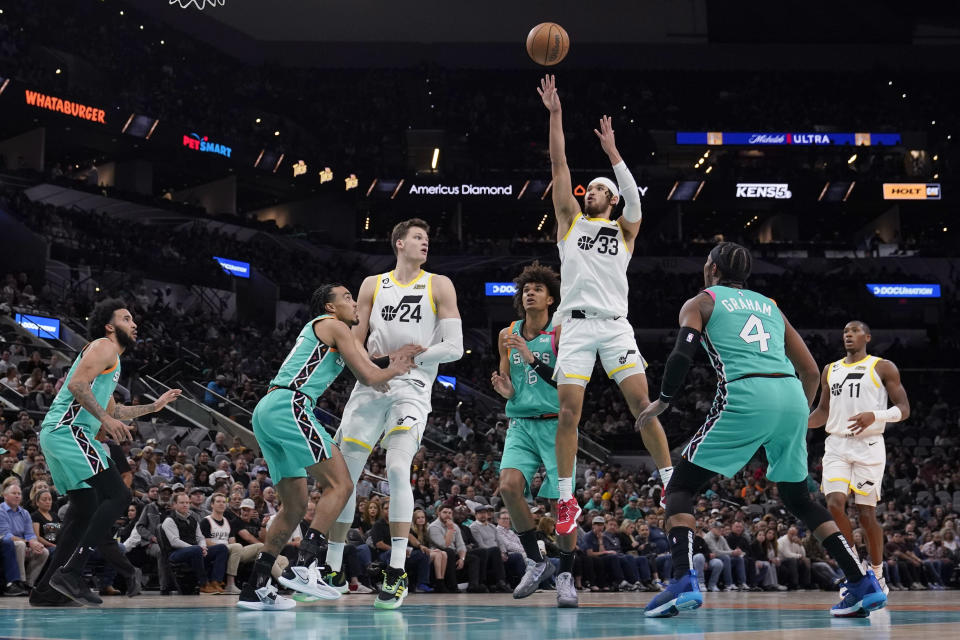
(797, 500)
(401, 492)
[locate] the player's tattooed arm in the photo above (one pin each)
(100, 356)
(818, 417)
(129, 412)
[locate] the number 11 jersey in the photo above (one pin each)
(404, 314)
(855, 388)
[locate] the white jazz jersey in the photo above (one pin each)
(404, 314)
(855, 388)
(593, 268)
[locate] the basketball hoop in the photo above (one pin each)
(199, 4)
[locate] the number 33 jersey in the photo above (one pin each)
(855, 388)
(404, 314)
(593, 268)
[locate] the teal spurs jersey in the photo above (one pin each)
(745, 335)
(311, 366)
(533, 396)
(66, 410)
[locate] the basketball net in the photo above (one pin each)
(199, 4)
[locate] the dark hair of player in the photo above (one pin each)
(101, 315)
(541, 274)
(401, 228)
(863, 325)
(733, 261)
(320, 298)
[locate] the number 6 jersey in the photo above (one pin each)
(404, 314)
(593, 268)
(855, 388)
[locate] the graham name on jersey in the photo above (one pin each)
(735, 304)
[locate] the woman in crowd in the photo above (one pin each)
(420, 540)
(46, 523)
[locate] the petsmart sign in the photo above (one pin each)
(197, 143)
(234, 267)
(904, 290)
(501, 289)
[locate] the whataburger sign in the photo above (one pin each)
(65, 107)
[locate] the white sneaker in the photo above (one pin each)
(534, 575)
(883, 585)
(267, 600)
(307, 580)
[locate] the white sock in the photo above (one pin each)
(398, 552)
(335, 555)
(877, 570)
(566, 488)
(665, 475)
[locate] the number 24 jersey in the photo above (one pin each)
(404, 314)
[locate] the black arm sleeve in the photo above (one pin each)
(383, 361)
(544, 370)
(678, 363)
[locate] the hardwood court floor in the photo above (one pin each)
(926, 615)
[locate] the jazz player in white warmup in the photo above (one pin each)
(405, 306)
(594, 254)
(854, 394)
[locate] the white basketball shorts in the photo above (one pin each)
(400, 416)
(583, 339)
(854, 464)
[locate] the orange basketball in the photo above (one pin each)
(548, 43)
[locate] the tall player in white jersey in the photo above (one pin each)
(405, 306)
(854, 397)
(594, 254)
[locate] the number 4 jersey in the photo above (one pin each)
(404, 314)
(744, 335)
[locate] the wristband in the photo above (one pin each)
(892, 414)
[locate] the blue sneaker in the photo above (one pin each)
(864, 596)
(682, 594)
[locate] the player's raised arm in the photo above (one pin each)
(565, 206)
(336, 334)
(632, 213)
(802, 360)
(364, 305)
(818, 417)
(98, 357)
(500, 379)
(448, 336)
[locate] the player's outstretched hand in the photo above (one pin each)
(860, 422)
(548, 93)
(654, 409)
(513, 341)
(118, 431)
(168, 397)
(501, 384)
(407, 351)
(607, 141)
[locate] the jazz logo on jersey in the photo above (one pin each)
(407, 311)
(626, 356)
(606, 237)
(837, 387)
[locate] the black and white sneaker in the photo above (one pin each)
(394, 589)
(307, 580)
(336, 579)
(265, 598)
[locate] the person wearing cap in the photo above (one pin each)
(484, 533)
(197, 498)
(594, 254)
(609, 571)
(633, 511)
(81, 466)
(296, 445)
(188, 545)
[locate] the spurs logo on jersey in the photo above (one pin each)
(593, 268)
(855, 388)
(404, 314)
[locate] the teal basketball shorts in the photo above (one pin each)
(751, 413)
(289, 435)
(73, 454)
(531, 442)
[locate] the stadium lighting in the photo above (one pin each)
(162, 42)
(935, 158)
(706, 154)
(710, 168)
(933, 122)
(276, 133)
(141, 27)
(852, 159)
(945, 229)
(258, 120)
(436, 156)
(903, 95)
(57, 71)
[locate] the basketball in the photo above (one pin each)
(548, 43)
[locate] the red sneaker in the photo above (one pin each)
(567, 513)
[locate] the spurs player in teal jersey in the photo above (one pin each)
(528, 352)
(79, 464)
(595, 251)
(294, 444)
(760, 402)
